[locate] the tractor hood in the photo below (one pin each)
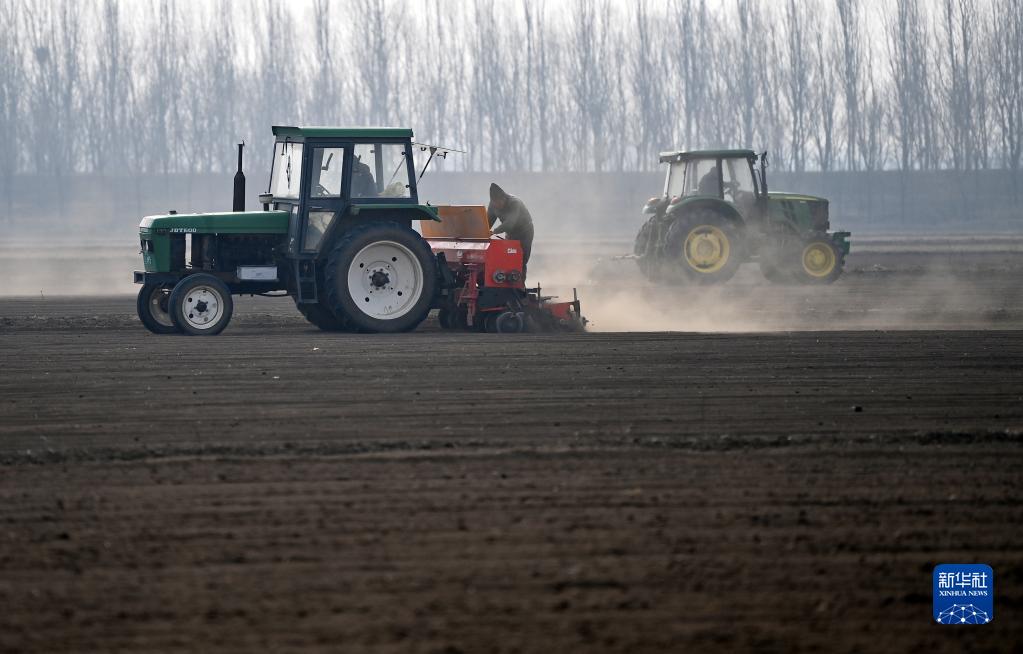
(226, 222)
(794, 197)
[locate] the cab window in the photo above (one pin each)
(702, 177)
(326, 172)
(380, 170)
(738, 177)
(673, 185)
(287, 170)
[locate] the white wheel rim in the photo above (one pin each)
(159, 314)
(385, 280)
(202, 307)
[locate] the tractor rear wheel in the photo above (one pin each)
(322, 317)
(642, 249)
(201, 305)
(382, 277)
(820, 262)
(153, 307)
(705, 246)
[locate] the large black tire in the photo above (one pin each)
(642, 246)
(152, 306)
(820, 262)
(322, 317)
(382, 277)
(704, 246)
(643, 249)
(201, 305)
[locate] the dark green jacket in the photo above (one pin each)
(516, 223)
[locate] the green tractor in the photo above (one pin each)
(335, 233)
(716, 213)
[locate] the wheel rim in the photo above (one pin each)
(818, 259)
(202, 307)
(158, 306)
(385, 280)
(706, 249)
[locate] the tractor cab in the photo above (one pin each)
(322, 176)
(728, 175)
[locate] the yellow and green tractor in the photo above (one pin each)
(716, 213)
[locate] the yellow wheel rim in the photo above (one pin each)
(819, 259)
(706, 249)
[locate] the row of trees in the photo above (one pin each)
(164, 86)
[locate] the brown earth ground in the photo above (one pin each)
(281, 489)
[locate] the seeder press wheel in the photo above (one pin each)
(506, 322)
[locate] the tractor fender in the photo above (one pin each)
(394, 211)
(717, 205)
(360, 214)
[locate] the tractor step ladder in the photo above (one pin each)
(305, 276)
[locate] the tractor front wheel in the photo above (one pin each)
(201, 305)
(153, 307)
(820, 262)
(382, 277)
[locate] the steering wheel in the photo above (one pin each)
(319, 191)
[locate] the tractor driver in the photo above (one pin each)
(709, 183)
(363, 185)
(516, 223)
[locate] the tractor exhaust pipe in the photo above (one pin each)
(239, 182)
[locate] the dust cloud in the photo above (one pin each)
(879, 291)
(34, 270)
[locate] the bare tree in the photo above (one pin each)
(872, 144)
(161, 104)
(958, 18)
(907, 57)
(824, 105)
(981, 93)
(544, 68)
(11, 85)
(1005, 54)
(327, 89)
(53, 31)
(105, 97)
(850, 74)
(692, 60)
(647, 67)
(377, 23)
(797, 80)
(744, 72)
(273, 91)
